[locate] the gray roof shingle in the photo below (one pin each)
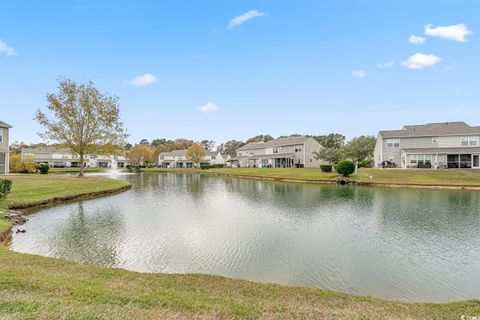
(287, 141)
(4, 125)
(432, 129)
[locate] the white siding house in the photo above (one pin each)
(4, 145)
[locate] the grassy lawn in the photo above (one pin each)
(450, 177)
(34, 287)
(73, 169)
(31, 190)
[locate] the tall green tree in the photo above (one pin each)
(208, 144)
(332, 140)
(82, 118)
(360, 148)
(260, 137)
(330, 155)
(230, 147)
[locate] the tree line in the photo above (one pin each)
(85, 120)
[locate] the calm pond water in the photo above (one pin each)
(417, 245)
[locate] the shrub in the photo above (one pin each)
(5, 187)
(19, 165)
(366, 164)
(326, 167)
(210, 166)
(345, 168)
(43, 168)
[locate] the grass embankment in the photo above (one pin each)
(421, 177)
(35, 190)
(74, 170)
(35, 287)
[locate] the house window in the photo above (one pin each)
(434, 139)
(214, 157)
(391, 158)
(1, 135)
(421, 158)
(162, 157)
(251, 153)
(298, 148)
(468, 141)
(393, 143)
(275, 150)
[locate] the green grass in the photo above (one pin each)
(450, 177)
(35, 287)
(73, 169)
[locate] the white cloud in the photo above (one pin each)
(143, 80)
(416, 39)
(386, 65)
(419, 61)
(209, 107)
(359, 74)
(457, 32)
(244, 18)
(5, 49)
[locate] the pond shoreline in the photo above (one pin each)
(352, 180)
(184, 296)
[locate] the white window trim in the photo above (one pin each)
(392, 142)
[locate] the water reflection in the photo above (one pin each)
(86, 237)
(396, 243)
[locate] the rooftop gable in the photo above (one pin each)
(4, 125)
(280, 142)
(432, 129)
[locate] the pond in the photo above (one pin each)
(406, 244)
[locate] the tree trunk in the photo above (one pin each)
(81, 165)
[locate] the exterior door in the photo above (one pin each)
(476, 161)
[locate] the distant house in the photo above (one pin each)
(60, 157)
(4, 152)
(179, 159)
(286, 152)
(435, 145)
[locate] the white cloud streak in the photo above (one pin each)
(386, 65)
(6, 50)
(143, 80)
(416, 39)
(209, 107)
(419, 61)
(359, 74)
(241, 19)
(457, 32)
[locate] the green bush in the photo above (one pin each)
(345, 167)
(43, 168)
(5, 187)
(210, 166)
(326, 167)
(366, 164)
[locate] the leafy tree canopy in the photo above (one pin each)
(82, 119)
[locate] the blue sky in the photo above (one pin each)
(226, 70)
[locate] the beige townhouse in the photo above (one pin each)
(431, 145)
(288, 152)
